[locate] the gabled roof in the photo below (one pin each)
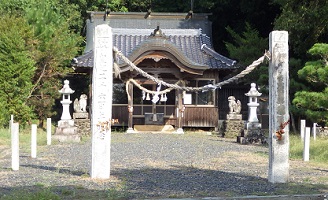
(190, 46)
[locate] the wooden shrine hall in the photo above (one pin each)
(173, 47)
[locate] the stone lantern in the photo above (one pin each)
(66, 91)
(66, 131)
(253, 95)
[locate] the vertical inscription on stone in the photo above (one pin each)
(102, 82)
(278, 108)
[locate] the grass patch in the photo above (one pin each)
(24, 138)
(42, 194)
(318, 149)
(296, 188)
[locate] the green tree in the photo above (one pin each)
(260, 14)
(57, 45)
(16, 69)
(247, 47)
(306, 22)
(313, 101)
(55, 25)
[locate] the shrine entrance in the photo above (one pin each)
(151, 105)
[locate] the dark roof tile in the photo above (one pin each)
(192, 44)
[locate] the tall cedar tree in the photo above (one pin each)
(16, 69)
(247, 47)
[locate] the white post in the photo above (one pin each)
(278, 108)
(15, 146)
(48, 131)
(11, 122)
(306, 150)
(302, 128)
(33, 140)
(314, 129)
(102, 89)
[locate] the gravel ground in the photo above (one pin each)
(160, 166)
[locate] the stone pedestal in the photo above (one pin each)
(234, 125)
(81, 115)
(83, 127)
(66, 132)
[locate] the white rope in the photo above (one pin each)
(149, 91)
(246, 71)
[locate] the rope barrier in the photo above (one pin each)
(246, 71)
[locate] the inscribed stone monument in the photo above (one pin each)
(278, 108)
(102, 83)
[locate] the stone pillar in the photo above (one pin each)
(306, 149)
(314, 129)
(33, 140)
(11, 122)
(102, 92)
(130, 108)
(48, 131)
(278, 108)
(15, 146)
(302, 128)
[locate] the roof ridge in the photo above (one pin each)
(217, 56)
(168, 32)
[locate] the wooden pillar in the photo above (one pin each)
(130, 107)
(179, 112)
(278, 108)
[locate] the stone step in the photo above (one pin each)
(153, 128)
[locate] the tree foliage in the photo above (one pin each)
(306, 22)
(55, 43)
(246, 47)
(314, 101)
(16, 69)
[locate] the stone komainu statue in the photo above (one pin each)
(81, 105)
(234, 107)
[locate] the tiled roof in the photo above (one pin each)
(192, 44)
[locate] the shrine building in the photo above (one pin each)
(173, 47)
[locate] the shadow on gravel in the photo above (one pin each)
(192, 182)
(56, 169)
(176, 182)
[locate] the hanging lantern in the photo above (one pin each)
(148, 98)
(143, 95)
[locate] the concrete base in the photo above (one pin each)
(65, 123)
(179, 131)
(81, 115)
(67, 138)
(66, 134)
(130, 130)
(153, 128)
